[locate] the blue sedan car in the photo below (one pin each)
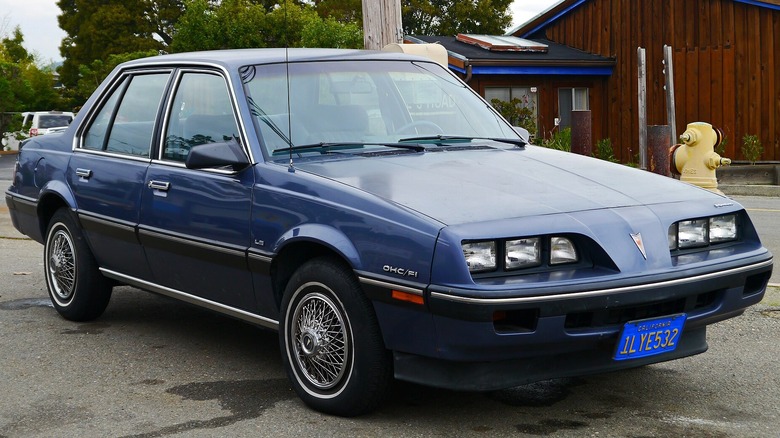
(383, 218)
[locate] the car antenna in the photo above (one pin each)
(290, 169)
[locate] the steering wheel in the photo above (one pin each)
(436, 128)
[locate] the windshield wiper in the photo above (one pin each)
(444, 138)
(326, 147)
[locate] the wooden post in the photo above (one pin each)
(581, 137)
(658, 139)
(671, 114)
(642, 82)
(381, 23)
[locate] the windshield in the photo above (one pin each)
(375, 102)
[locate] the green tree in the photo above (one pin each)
(14, 50)
(235, 24)
(92, 74)
(23, 85)
(450, 17)
(97, 28)
(343, 11)
(331, 33)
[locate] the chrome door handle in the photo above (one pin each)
(83, 173)
(159, 185)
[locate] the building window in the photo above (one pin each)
(571, 99)
(524, 112)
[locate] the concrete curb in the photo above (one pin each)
(749, 190)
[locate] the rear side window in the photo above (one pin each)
(125, 123)
(202, 113)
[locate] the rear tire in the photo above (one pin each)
(331, 344)
(76, 287)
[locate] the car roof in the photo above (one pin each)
(235, 58)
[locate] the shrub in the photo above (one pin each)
(720, 148)
(560, 140)
(604, 150)
(751, 148)
(516, 113)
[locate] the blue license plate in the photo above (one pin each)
(649, 337)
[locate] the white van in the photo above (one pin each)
(46, 122)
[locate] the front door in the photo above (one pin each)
(194, 223)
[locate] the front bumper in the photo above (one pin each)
(489, 376)
(489, 343)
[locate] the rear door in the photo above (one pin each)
(194, 224)
(108, 167)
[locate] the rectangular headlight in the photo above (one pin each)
(562, 250)
(692, 233)
(480, 256)
(723, 228)
(522, 253)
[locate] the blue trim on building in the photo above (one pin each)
(557, 16)
(759, 4)
(566, 11)
(571, 71)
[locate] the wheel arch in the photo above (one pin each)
(53, 196)
(306, 243)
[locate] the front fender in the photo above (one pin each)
(324, 235)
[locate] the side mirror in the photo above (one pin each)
(221, 154)
(523, 133)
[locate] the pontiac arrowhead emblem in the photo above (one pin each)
(638, 240)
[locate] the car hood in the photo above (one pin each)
(465, 185)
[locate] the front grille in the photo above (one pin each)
(613, 316)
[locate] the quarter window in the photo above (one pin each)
(95, 138)
(201, 114)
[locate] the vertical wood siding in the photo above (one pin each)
(726, 64)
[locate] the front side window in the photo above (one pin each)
(125, 123)
(202, 113)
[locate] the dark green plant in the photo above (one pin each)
(605, 151)
(720, 148)
(752, 148)
(560, 140)
(516, 113)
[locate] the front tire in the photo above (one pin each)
(331, 344)
(77, 289)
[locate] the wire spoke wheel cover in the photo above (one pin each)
(61, 266)
(77, 289)
(321, 343)
(332, 346)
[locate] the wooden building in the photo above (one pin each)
(726, 65)
(550, 79)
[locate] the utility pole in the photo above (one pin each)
(381, 23)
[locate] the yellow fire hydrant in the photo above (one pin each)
(696, 160)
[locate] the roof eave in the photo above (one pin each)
(541, 21)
